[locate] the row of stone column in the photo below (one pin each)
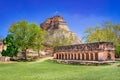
(76, 56)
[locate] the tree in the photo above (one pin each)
(39, 39)
(117, 51)
(116, 29)
(93, 34)
(24, 34)
(117, 39)
(61, 37)
(108, 32)
(104, 33)
(12, 49)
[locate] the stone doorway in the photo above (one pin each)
(78, 56)
(72, 56)
(82, 56)
(91, 56)
(62, 56)
(96, 56)
(75, 56)
(65, 56)
(108, 56)
(87, 56)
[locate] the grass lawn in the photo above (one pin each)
(53, 71)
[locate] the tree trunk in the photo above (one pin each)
(24, 53)
(38, 53)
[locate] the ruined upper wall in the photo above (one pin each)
(86, 47)
(53, 23)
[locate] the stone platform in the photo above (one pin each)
(83, 62)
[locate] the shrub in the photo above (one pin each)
(117, 51)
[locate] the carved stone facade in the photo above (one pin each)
(1, 46)
(99, 51)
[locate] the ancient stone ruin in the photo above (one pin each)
(1, 46)
(55, 23)
(99, 51)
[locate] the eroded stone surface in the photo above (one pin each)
(55, 23)
(99, 51)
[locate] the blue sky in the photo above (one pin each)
(79, 14)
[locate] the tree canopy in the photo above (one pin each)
(26, 35)
(12, 49)
(108, 32)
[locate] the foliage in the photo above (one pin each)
(39, 39)
(26, 35)
(97, 34)
(61, 37)
(12, 49)
(108, 32)
(117, 50)
(117, 33)
(93, 34)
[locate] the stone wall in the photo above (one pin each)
(1, 47)
(91, 51)
(4, 59)
(86, 47)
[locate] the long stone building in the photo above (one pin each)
(99, 51)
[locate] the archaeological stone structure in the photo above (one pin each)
(99, 51)
(1, 46)
(57, 22)
(54, 23)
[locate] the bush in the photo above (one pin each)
(117, 51)
(12, 49)
(4, 53)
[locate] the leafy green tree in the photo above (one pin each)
(103, 33)
(108, 32)
(12, 49)
(116, 29)
(93, 34)
(24, 34)
(39, 39)
(117, 39)
(117, 51)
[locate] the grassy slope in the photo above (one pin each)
(52, 71)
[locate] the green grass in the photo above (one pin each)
(53, 71)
